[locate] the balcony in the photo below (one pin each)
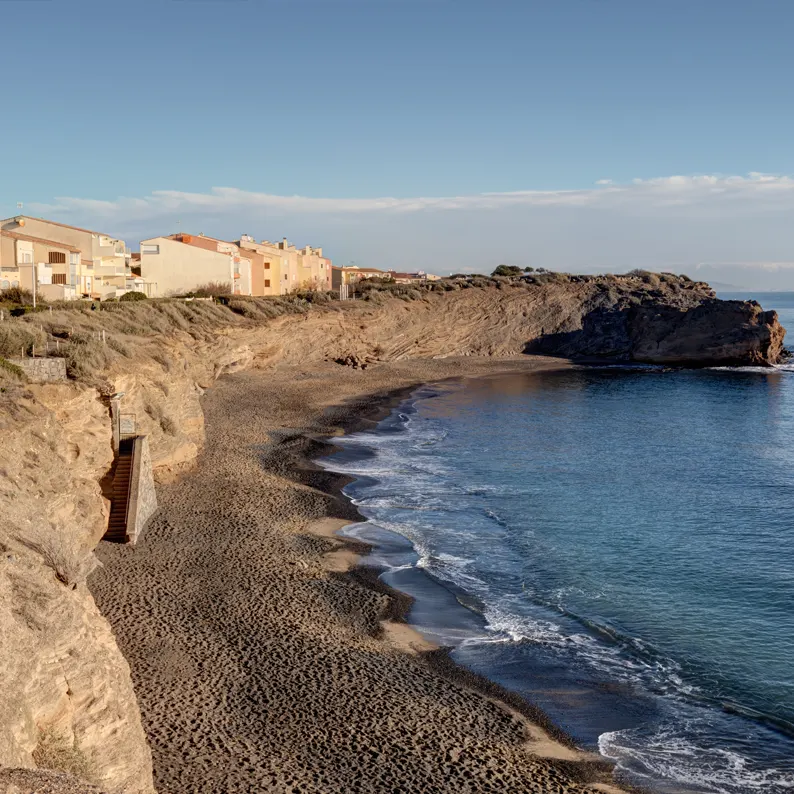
(110, 269)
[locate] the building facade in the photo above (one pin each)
(352, 274)
(182, 263)
(96, 265)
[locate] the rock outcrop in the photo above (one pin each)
(66, 700)
(710, 333)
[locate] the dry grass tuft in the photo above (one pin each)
(55, 751)
(63, 554)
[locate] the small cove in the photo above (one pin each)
(614, 544)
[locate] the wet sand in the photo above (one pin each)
(263, 660)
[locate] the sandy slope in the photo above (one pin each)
(257, 664)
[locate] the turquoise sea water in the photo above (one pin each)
(615, 544)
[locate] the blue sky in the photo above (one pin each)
(132, 116)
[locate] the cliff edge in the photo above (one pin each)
(66, 701)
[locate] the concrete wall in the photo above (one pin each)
(180, 267)
(143, 497)
(42, 370)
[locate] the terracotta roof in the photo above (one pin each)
(29, 239)
(198, 237)
(56, 223)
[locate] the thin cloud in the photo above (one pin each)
(661, 191)
(731, 228)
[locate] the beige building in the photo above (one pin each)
(267, 262)
(280, 268)
(290, 271)
(54, 265)
(412, 278)
(98, 264)
(182, 263)
(314, 270)
(352, 274)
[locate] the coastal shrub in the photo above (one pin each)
(133, 296)
(18, 338)
(168, 425)
(210, 290)
(85, 356)
(118, 346)
(315, 296)
(246, 309)
(7, 368)
(17, 296)
(507, 270)
(557, 278)
(62, 553)
(684, 277)
(652, 279)
(55, 751)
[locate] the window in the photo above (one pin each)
(267, 265)
(285, 277)
(59, 278)
(149, 249)
(74, 258)
(57, 258)
(267, 282)
(26, 257)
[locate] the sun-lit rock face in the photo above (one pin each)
(66, 700)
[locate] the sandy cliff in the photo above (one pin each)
(66, 697)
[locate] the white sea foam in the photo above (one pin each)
(670, 756)
(419, 499)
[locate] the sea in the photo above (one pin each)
(615, 544)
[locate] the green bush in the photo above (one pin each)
(133, 296)
(21, 297)
(11, 369)
(507, 270)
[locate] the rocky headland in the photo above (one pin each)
(245, 639)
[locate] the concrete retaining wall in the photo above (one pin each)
(42, 370)
(143, 497)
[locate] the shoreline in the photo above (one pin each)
(547, 739)
(257, 647)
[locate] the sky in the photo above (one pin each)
(445, 135)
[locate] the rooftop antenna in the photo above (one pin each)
(19, 205)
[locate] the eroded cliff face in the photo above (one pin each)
(66, 698)
(708, 332)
